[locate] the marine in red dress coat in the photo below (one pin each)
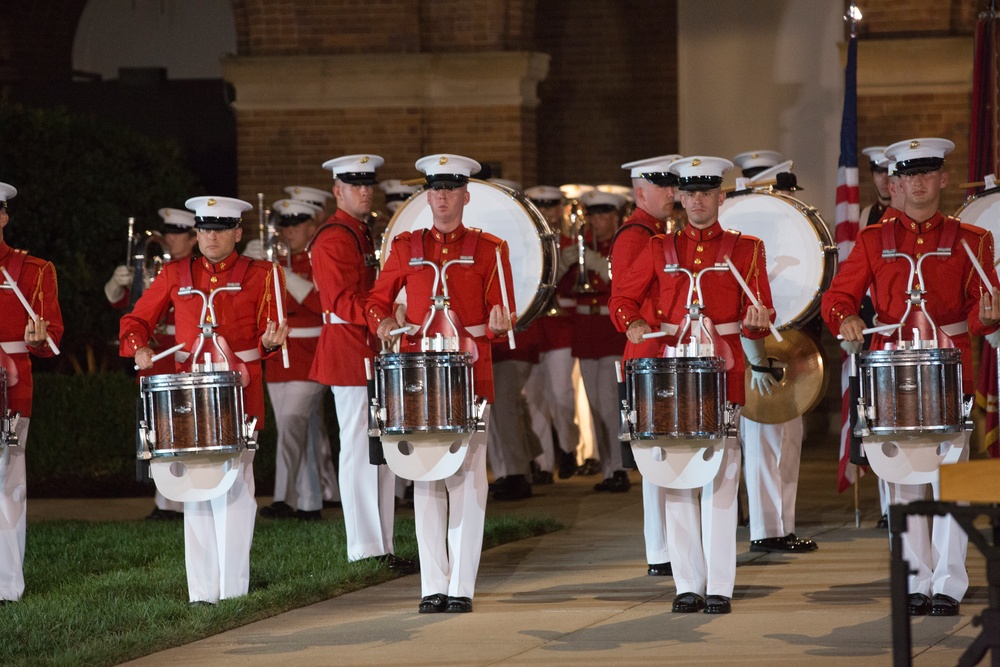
(343, 265)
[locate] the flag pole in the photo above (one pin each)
(857, 504)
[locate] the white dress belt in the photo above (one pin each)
(14, 347)
(305, 332)
(476, 331)
(565, 302)
(170, 329)
(724, 329)
(243, 355)
(592, 310)
(953, 329)
(331, 318)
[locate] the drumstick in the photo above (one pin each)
(506, 301)
(654, 334)
(27, 306)
(281, 314)
(368, 369)
(400, 330)
(618, 372)
(976, 265)
(753, 299)
(878, 329)
(165, 353)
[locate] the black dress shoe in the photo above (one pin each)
(433, 604)
(459, 605)
(331, 504)
(201, 603)
(660, 570)
(717, 604)
(883, 521)
(688, 603)
(278, 510)
(398, 564)
(944, 605)
(512, 487)
(542, 477)
(567, 465)
(164, 515)
(918, 604)
(619, 482)
(788, 543)
(589, 467)
(308, 515)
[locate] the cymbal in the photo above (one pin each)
(802, 386)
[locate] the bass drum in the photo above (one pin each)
(508, 215)
(801, 255)
(982, 210)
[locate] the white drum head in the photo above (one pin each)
(507, 215)
(982, 210)
(196, 477)
(795, 246)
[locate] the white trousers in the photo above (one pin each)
(217, 538)
(509, 447)
(297, 406)
(601, 385)
(934, 547)
(449, 517)
(327, 473)
(701, 530)
(654, 523)
(13, 509)
(552, 404)
(771, 454)
(366, 490)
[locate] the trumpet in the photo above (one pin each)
(146, 264)
(270, 241)
(577, 221)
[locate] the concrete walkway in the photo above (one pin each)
(580, 597)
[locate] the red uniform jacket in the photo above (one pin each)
(305, 321)
(343, 265)
(164, 335)
(36, 279)
(953, 287)
(242, 316)
(631, 241)
(556, 331)
(594, 335)
(724, 300)
(474, 288)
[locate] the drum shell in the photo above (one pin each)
(915, 391)
(425, 392)
(680, 398)
(194, 413)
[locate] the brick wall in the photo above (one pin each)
(288, 147)
(883, 120)
(898, 17)
(610, 96)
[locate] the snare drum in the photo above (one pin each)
(7, 435)
(425, 392)
(801, 255)
(677, 398)
(508, 215)
(193, 413)
(912, 391)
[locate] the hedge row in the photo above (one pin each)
(83, 432)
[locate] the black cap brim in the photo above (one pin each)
(216, 224)
(175, 229)
(920, 165)
(663, 179)
(446, 181)
(358, 178)
(700, 183)
(293, 220)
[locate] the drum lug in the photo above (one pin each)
(251, 433)
(374, 423)
(732, 423)
(8, 433)
(479, 411)
(627, 432)
(968, 412)
(147, 442)
(862, 430)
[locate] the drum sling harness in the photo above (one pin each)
(369, 257)
(16, 263)
(240, 268)
(949, 233)
(469, 244)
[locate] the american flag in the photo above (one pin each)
(845, 229)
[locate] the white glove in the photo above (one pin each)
(760, 381)
(853, 346)
(297, 286)
(598, 263)
(255, 250)
(114, 289)
(568, 257)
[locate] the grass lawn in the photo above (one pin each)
(104, 593)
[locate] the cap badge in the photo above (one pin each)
(914, 143)
(443, 160)
(695, 162)
(284, 204)
(754, 155)
(211, 202)
(298, 191)
(365, 159)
